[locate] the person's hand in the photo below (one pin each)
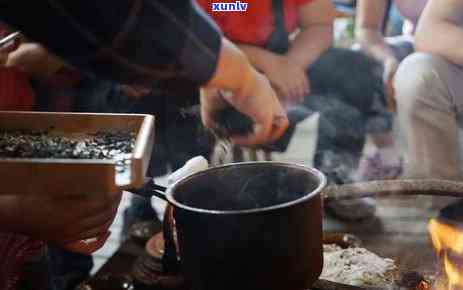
(288, 78)
(258, 101)
(35, 60)
(65, 220)
(390, 68)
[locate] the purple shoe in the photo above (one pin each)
(374, 168)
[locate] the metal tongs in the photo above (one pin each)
(7, 40)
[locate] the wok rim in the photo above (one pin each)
(322, 181)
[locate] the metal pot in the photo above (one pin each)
(255, 225)
(258, 225)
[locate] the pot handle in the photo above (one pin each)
(150, 189)
(170, 259)
(438, 187)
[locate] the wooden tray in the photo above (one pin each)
(73, 176)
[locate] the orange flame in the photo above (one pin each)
(448, 243)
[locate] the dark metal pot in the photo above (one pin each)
(258, 225)
(255, 225)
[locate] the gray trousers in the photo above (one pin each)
(429, 92)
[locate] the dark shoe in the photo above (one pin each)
(338, 169)
(352, 210)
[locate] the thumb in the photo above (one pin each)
(88, 246)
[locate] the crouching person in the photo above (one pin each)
(429, 87)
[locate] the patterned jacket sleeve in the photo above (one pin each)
(131, 41)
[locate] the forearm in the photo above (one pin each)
(309, 44)
(369, 29)
(131, 45)
(442, 38)
(259, 57)
(234, 72)
(372, 42)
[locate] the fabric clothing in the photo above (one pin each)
(255, 25)
(15, 90)
(411, 9)
(402, 45)
(15, 94)
(141, 41)
(15, 251)
(67, 269)
(428, 89)
(347, 91)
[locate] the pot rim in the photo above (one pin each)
(315, 172)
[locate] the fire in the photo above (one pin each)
(448, 243)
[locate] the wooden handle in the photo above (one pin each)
(435, 187)
(321, 284)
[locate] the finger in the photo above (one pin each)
(207, 117)
(299, 91)
(90, 225)
(100, 220)
(306, 85)
(280, 125)
(261, 134)
(262, 125)
(87, 247)
(285, 92)
(115, 199)
(90, 233)
(89, 204)
(288, 93)
(211, 102)
(295, 90)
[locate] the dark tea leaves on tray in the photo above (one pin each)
(102, 145)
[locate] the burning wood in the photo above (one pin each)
(447, 238)
(414, 281)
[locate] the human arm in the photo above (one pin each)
(440, 30)
(369, 34)
(169, 43)
(251, 94)
(316, 32)
(35, 60)
(60, 219)
(287, 73)
(139, 42)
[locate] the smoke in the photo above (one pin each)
(244, 187)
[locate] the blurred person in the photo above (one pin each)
(131, 47)
(197, 56)
(263, 31)
(384, 161)
(16, 93)
(428, 92)
(369, 32)
(290, 42)
(61, 88)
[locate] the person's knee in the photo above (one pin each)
(418, 81)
